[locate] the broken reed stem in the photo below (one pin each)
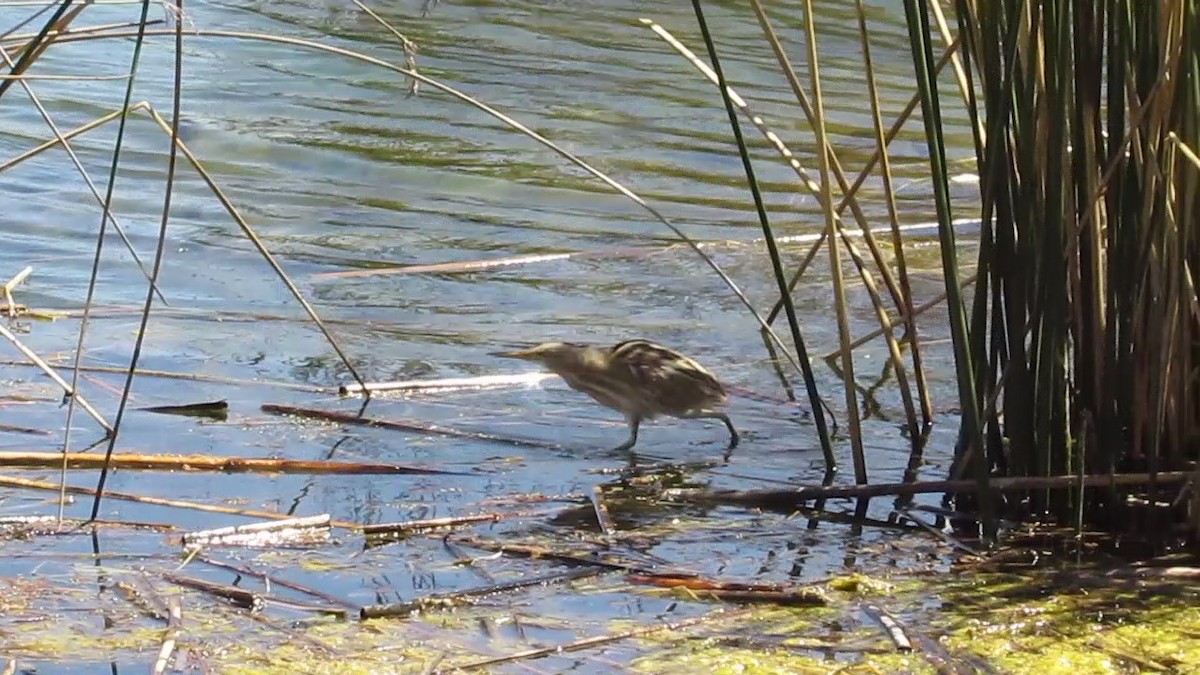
(391, 531)
(93, 460)
(144, 597)
(800, 598)
(799, 595)
(400, 425)
(792, 498)
(247, 599)
(159, 501)
(603, 517)
(167, 647)
(895, 630)
(296, 532)
(67, 389)
(704, 584)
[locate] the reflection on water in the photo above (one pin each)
(336, 169)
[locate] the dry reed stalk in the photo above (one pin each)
(159, 501)
(305, 532)
(136, 461)
(789, 499)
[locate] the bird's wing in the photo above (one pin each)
(669, 379)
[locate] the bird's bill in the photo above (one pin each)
(523, 354)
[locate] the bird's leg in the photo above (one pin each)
(733, 434)
(634, 422)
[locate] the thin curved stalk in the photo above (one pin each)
(37, 103)
(509, 121)
(261, 247)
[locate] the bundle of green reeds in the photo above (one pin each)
(1079, 352)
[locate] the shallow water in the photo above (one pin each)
(336, 169)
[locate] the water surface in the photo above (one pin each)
(336, 169)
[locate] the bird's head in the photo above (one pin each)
(556, 356)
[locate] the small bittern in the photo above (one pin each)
(637, 378)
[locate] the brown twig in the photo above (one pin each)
(402, 425)
(801, 598)
(276, 581)
(240, 597)
(458, 598)
(539, 552)
(14, 429)
(732, 591)
(129, 461)
(695, 583)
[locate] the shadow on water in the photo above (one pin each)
(337, 170)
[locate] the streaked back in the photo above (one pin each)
(669, 382)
